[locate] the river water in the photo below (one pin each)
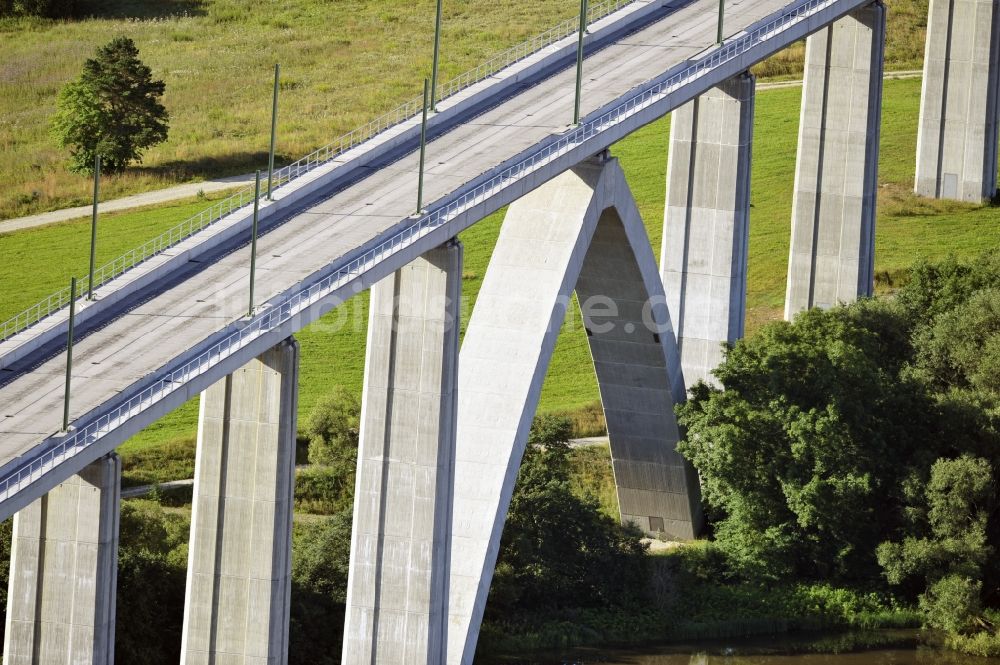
(901, 648)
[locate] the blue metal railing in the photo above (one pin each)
(216, 212)
(21, 476)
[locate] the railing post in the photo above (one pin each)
(437, 53)
(69, 351)
(579, 61)
(274, 130)
(93, 228)
(253, 239)
(722, 13)
(423, 149)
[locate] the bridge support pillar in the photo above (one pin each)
(707, 223)
(401, 538)
(579, 231)
(957, 140)
(833, 217)
(63, 572)
(239, 560)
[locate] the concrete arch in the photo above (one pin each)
(580, 231)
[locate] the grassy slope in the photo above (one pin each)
(342, 62)
(908, 229)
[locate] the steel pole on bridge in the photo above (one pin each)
(423, 149)
(274, 131)
(437, 54)
(93, 229)
(253, 238)
(722, 14)
(69, 351)
(579, 61)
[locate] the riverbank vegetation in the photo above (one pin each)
(849, 470)
(861, 447)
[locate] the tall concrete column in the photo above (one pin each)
(580, 231)
(401, 538)
(63, 572)
(239, 555)
(833, 217)
(957, 139)
(707, 223)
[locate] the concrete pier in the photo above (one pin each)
(581, 230)
(957, 139)
(635, 355)
(239, 560)
(707, 223)
(63, 572)
(401, 538)
(833, 217)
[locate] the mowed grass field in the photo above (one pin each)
(908, 229)
(343, 63)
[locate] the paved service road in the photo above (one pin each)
(135, 201)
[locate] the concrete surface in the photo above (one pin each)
(957, 136)
(635, 355)
(190, 307)
(706, 223)
(337, 172)
(540, 257)
(833, 215)
(400, 542)
(63, 573)
(126, 202)
(236, 607)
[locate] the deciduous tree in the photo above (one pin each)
(113, 109)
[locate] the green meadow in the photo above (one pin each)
(343, 63)
(909, 229)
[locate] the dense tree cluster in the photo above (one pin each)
(860, 445)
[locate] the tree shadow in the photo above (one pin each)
(212, 166)
(139, 9)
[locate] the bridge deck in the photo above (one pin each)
(152, 334)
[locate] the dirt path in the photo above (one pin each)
(125, 203)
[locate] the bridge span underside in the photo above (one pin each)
(443, 428)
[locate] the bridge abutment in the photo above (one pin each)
(239, 561)
(401, 538)
(707, 223)
(833, 217)
(63, 571)
(957, 139)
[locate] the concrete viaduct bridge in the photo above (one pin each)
(443, 431)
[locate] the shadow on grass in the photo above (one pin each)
(208, 167)
(141, 9)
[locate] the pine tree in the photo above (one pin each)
(113, 109)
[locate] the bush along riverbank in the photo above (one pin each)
(849, 464)
(690, 599)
